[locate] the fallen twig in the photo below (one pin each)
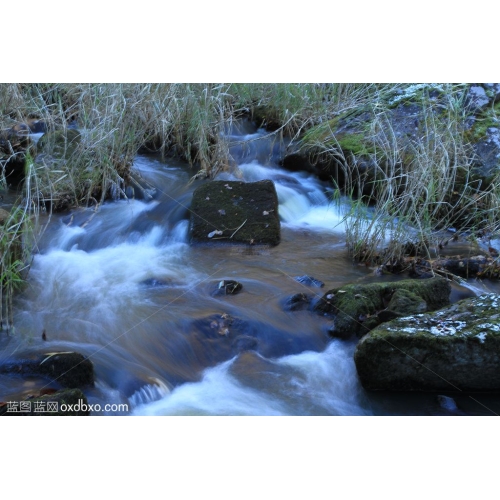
(238, 229)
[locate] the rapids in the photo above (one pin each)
(124, 287)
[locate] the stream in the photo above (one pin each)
(124, 287)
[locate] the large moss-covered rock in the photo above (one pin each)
(456, 348)
(477, 98)
(235, 212)
(357, 308)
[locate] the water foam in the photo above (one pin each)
(218, 393)
(323, 383)
(304, 202)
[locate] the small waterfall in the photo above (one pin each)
(304, 201)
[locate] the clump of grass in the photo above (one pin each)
(419, 185)
(16, 241)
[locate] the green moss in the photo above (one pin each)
(358, 308)
(455, 347)
(356, 144)
(488, 118)
(325, 136)
(320, 133)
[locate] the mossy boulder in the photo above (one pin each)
(454, 349)
(483, 133)
(487, 163)
(477, 98)
(235, 212)
(345, 148)
(357, 308)
(297, 302)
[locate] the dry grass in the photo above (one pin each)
(415, 186)
(418, 186)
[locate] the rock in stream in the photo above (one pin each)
(454, 349)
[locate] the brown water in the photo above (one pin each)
(125, 288)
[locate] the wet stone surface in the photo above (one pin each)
(455, 348)
(235, 212)
(227, 287)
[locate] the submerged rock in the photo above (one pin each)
(70, 369)
(235, 212)
(227, 287)
(454, 349)
(297, 302)
(219, 337)
(359, 308)
(155, 283)
(309, 281)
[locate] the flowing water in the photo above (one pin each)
(124, 287)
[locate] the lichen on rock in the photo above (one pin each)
(456, 348)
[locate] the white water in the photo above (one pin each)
(304, 202)
(124, 287)
(121, 286)
(316, 383)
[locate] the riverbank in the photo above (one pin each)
(421, 157)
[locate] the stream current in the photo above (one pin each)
(124, 287)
